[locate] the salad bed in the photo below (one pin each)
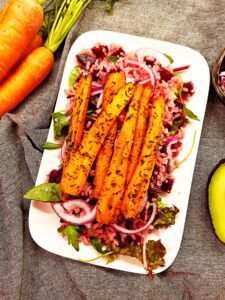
(126, 236)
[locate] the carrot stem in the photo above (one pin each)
(66, 16)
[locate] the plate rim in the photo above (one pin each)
(77, 41)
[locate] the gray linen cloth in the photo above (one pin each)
(29, 272)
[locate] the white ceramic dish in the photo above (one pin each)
(43, 222)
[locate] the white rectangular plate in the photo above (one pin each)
(43, 222)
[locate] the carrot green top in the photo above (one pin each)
(64, 14)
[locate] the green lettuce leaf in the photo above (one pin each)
(97, 244)
(61, 125)
(190, 113)
(50, 146)
(74, 75)
(113, 59)
(45, 192)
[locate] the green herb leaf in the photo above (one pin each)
(104, 255)
(61, 125)
(46, 192)
(189, 152)
(97, 244)
(190, 113)
(110, 6)
(171, 60)
(74, 74)
(165, 216)
(72, 234)
(113, 59)
(177, 124)
(50, 146)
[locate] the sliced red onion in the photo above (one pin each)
(76, 203)
(146, 226)
(144, 257)
(222, 73)
(99, 102)
(144, 202)
(96, 91)
(145, 67)
(181, 69)
(145, 52)
(168, 144)
(63, 213)
(96, 84)
(146, 81)
(63, 150)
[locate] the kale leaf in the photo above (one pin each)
(155, 252)
(165, 216)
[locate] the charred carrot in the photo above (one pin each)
(140, 130)
(114, 82)
(20, 83)
(109, 202)
(80, 163)
(138, 186)
(76, 127)
(20, 22)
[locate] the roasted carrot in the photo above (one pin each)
(76, 127)
(20, 22)
(114, 82)
(25, 78)
(4, 9)
(139, 184)
(80, 163)
(140, 130)
(109, 202)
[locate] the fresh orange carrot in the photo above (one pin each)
(140, 130)
(35, 43)
(138, 186)
(114, 82)
(15, 28)
(20, 22)
(110, 198)
(26, 77)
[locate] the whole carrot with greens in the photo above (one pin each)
(20, 21)
(38, 64)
